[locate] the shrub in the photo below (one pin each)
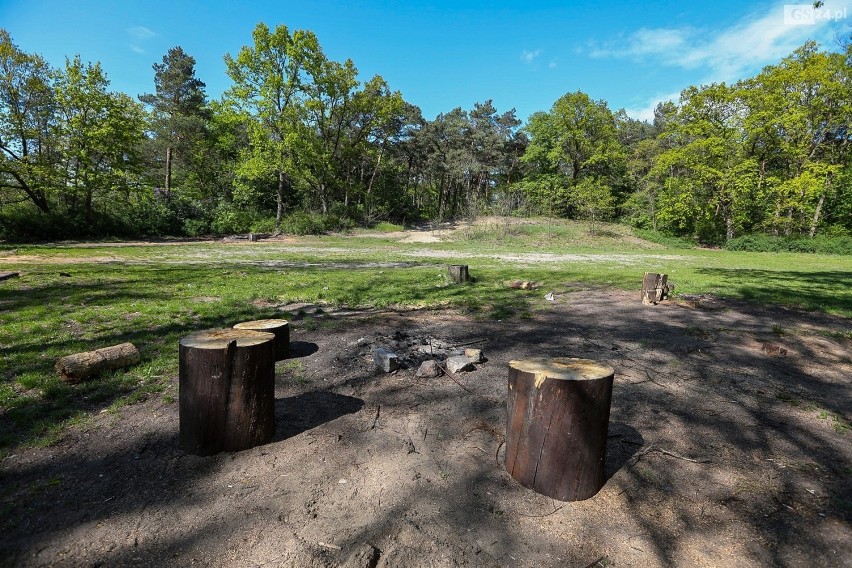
(303, 223)
(385, 227)
(766, 243)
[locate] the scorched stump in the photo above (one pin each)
(556, 431)
(279, 327)
(227, 390)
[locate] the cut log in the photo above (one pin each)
(654, 288)
(458, 273)
(556, 431)
(8, 275)
(227, 390)
(80, 366)
(279, 327)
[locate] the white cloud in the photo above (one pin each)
(139, 35)
(729, 54)
(726, 54)
(529, 56)
(552, 64)
(646, 112)
(141, 32)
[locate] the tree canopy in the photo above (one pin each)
(302, 143)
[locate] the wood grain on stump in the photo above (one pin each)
(279, 327)
(227, 390)
(556, 431)
(80, 366)
(458, 273)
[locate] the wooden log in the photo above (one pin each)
(458, 273)
(227, 390)
(279, 327)
(80, 366)
(556, 431)
(8, 275)
(654, 288)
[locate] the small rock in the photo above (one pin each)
(385, 359)
(428, 369)
(475, 355)
(773, 349)
(458, 364)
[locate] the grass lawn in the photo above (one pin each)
(154, 294)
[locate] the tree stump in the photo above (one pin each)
(280, 328)
(458, 273)
(556, 431)
(654, 288)
(227, 390)
(80, 366)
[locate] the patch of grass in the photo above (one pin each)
(296, 371)
(385, 227)
(837, 422)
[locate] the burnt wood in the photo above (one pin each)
(279, 327)
(556, 431)
(227, 390)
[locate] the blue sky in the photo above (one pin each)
(441, 55)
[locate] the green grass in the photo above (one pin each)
(153, 295)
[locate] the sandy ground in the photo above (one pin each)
(721, 452)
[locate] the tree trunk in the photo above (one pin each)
(458, 273)
(168, 187)
(815, 220)
(556, 431)
(279, 213)
(75, 368)
(278, 327)
(227, 390)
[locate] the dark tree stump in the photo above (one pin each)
(458, 273)
(654, 288)
(280, 328)
(556, 432)
(227, 390)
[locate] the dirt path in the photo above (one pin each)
(394, 471)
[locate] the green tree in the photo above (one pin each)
(100, 133)
(178, 106)
(575, 143)
(28, 153)
(273, 80)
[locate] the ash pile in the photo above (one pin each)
(431, 356)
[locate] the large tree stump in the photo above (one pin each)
(279, 327)
(654, 288)
(227, 390)
(80, 366)
(556, 432)
(458, 273)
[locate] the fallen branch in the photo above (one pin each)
(75, 368)
(468, 343)
(663, 451)
(376, 419)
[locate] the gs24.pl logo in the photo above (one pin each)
(808, 15)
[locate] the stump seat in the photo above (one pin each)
(278, 327)
(556, 431)
(227, 390)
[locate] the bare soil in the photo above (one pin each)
(721, 452)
